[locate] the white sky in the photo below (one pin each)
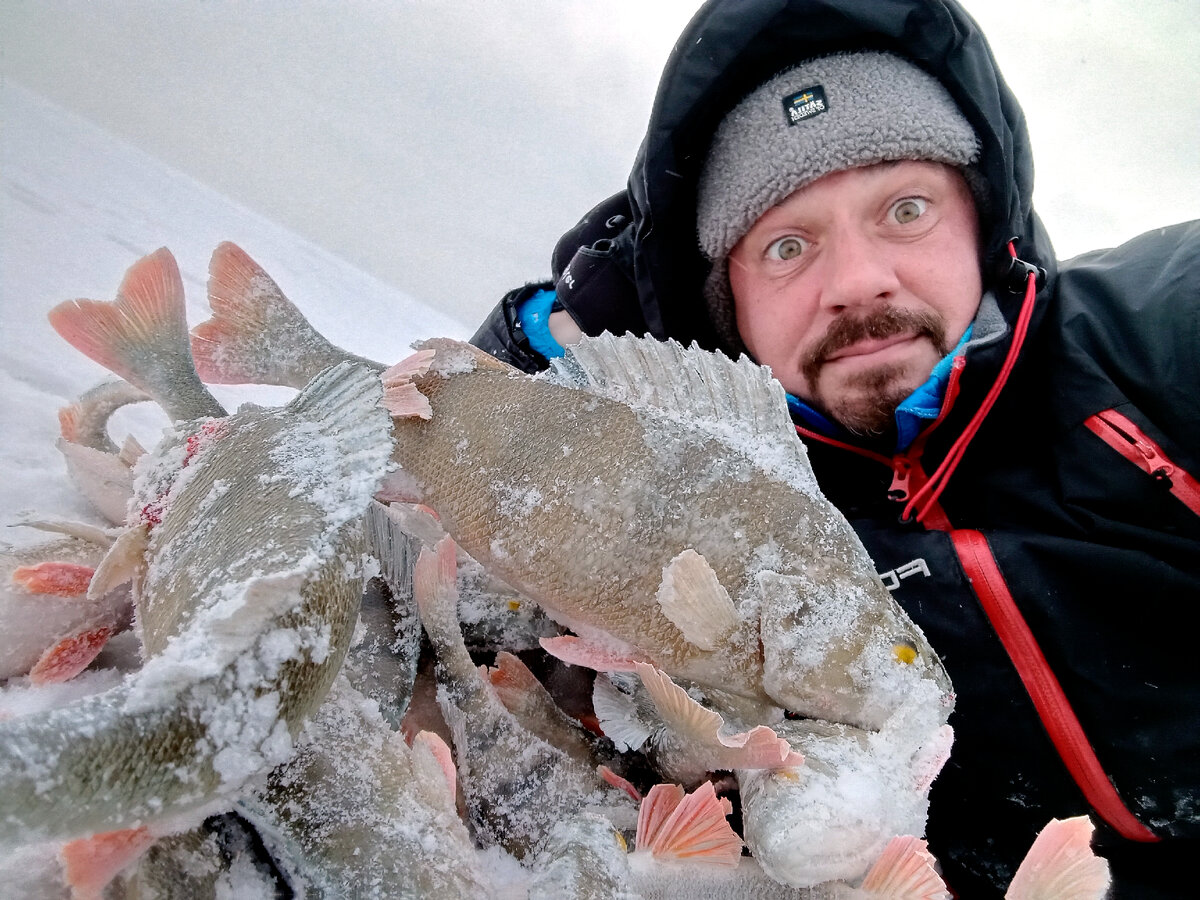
(443, 149)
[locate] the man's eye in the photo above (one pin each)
(787, 248)
(907, 210)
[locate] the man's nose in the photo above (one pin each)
(858, 272)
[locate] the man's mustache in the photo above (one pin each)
(880, 323)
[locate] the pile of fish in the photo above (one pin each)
(446, 630)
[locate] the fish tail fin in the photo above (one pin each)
(400, 396)
(904, 871)
(70, 656)
(61, 579)
(1061, 864)
(673, 824)
(70, 419)
(91, 863)
(256, 335)
(148, 314)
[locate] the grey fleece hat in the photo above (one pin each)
(824, 115)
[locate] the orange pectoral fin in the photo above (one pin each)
(70, 656)
(61, 579)
(91, 863)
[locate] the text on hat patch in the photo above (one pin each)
(804, 104)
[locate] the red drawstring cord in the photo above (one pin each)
(932, 489)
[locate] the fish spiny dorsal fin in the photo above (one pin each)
(693, 827)
(395, 547)
(144, 327)
(1061, 865)
(694, 600)
(344, 403)
(904, 871)
(758, 748)
(256, 335)
(737, 403)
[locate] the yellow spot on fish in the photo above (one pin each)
(514, 605)
(786, 774)
(905, 651)
(621, 841)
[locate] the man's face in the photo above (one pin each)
(855, 286)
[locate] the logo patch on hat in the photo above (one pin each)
(805, 104)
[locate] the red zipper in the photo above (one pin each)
(1124, 436)
(1049, 700)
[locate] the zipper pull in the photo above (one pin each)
(1157, 466)
(901, 476)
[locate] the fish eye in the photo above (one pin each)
(787, 247)
(905, 651)
(907, 210)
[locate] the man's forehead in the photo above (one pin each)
(882, 176)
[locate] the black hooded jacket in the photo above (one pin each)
(1054, 569)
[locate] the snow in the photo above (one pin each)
(78, 207)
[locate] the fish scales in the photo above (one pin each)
(522, 473)
(581, 501)
(242, 644)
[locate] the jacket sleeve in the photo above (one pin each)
(501, 334)
(592, 278)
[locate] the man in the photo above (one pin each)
(841, 189)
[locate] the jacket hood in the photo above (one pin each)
(732, 46)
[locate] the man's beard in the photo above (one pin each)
(869, 404)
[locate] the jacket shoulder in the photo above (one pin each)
(1128, 323)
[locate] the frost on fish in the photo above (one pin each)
(246, 606)
(831, 818)
(359, 813)
(518, 787)
(584, 490)
(384, 652)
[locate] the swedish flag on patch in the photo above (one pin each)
(804, 104)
